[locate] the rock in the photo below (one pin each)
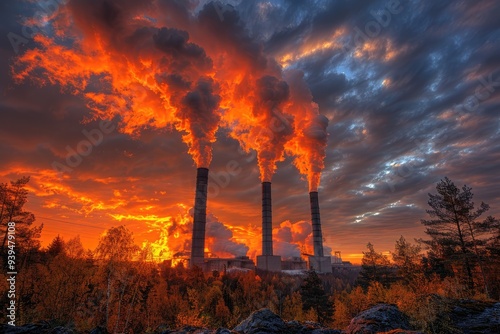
(261, 322)
(38, 328)
(265, 321)
(162, 329)
(99, 330)
(42, 327)
(475, 317)
(380, 318)
(464, 315)
(61, 330)
(308, 327)
(191, 330)
(223, 331)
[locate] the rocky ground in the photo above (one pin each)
(462, 316)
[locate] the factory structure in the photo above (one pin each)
(318, 261)
(267, 261)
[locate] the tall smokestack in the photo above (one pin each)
(267, 261)
(316, 224)
(267, 220)
(200, 217)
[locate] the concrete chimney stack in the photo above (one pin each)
(319, 261)
(267, 261)
(267, 220)
(200, 218)
(316, 224)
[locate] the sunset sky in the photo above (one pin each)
(411, 91)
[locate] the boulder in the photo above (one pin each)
(473, 317)
(61, 330)
(261, 322)
(223, 331)
(38, 328)
(465, 316)
(380, 318)
(42, 327)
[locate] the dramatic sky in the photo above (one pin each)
(388, 96)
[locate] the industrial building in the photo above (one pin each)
(267, 260)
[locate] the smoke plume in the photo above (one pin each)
(293, 239)
(146, 76)
(309, 142)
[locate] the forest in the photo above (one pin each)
(119, 287)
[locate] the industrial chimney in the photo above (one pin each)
(267, 220)
(318, 262)
(200, 218)
(267, 261)
(316, 224)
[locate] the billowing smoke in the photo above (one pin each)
(309, 143)
(262, 125)
(220, 239)
(127, 65)
(273, 128)
(293, 239)
(198, 110)
(146, 76)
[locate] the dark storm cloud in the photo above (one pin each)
(229, 33)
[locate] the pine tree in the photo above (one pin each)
(375, 267)
(56, 247)
(13, 197)
(407, 259)
(455, 233)
(314, 297)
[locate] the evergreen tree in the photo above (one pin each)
(13, 197)
(407, 259)
(314, 297)
(12, 200)
(375, 267)
(57, 246)
(455, 233)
